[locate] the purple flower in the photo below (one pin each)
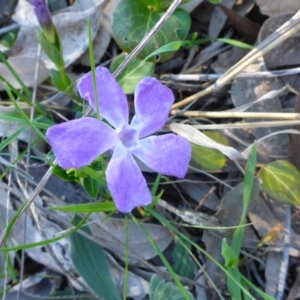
(43, 15)
(77, 143)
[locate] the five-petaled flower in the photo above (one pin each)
(78, 142)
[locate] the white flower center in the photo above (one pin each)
(128, 136)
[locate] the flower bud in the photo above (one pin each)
(43, 15)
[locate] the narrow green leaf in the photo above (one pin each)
(250, 192)
(87, 207)
(231, 262)
(235, 43)
(24, 116)
(51, 50)
(133, 73)
(91, 263)
(170, 47)
(280, 180)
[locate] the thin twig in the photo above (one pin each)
(247, 125)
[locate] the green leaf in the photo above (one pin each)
(132, 20)
(231, 262)
(217, 137)
(63, 174)
(209, 159)
(51, 50)
(133, 73)
(215, 1)
(280, 180)
(235, 43)
(230, 257)
(91, 186)
(170, 47)
(250, 193)
(161, 290)
(91, 263)
(87, 207)
(183, 265)
(60, 80)
(9, 39)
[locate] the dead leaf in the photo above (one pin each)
(295, 289)
(275, 7)
(110, 234)
(103, 35)
(71, 26)
(272, 270)
(248, 90)
(218, 19)
(195, 136)
(244, 26)
(24, 66)
(287, 53)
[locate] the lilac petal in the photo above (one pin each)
(152, 105)
(78, 142)
(126, 182)
(167, 154)
(113, 104)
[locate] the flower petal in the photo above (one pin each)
(167, 154)
(113, 104)
(152, 105)
(126, 182)
(78, 142)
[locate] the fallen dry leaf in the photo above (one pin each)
(275, 7)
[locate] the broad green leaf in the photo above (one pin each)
(209, 159)
(132, 20)
(133, 73)
(161, 290)
(91, 263)
(217, 137)
(280, 180)
(183, 265)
